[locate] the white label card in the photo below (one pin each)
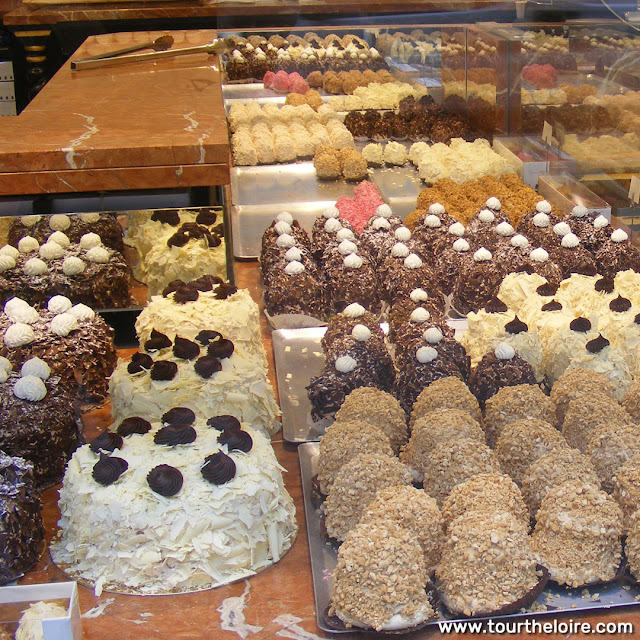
(547, 132)
(634, 189)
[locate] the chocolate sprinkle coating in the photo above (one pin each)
(597, 344)
(185, 294)
(554, 305)
(179, 415)
(495, 305)
(516, 326)
(107, 470)
(157, 341)
(606, 285)
(175, 434)
(224, 423)
(236, 440)
(222, 348)
(581, 325)
(139, 362)
(165, 480)
(206, 336)
(206, 218)
(206, 366)
(620, 305)
(185, 349)
(167, 216)
(547, 289)
(218, 468)
(164, 370)
(132, 425)
(106, 441)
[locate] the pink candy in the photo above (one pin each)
(281, 82)
(268, 79)
(361, 207)
(541, 76)
(299, 85)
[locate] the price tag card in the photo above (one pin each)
(634, 190)
(547, 132)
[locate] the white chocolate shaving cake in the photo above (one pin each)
(177, 505)
(207, 375)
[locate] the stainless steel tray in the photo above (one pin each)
(324, 557)
(255, 92)
(298, 356)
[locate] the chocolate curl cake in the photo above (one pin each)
(295, 290)
(478, 282)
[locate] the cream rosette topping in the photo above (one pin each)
(541, 220)
(579, 211)
(30, 388)
(282, 228)
(285, 216)
(59, 222)
(17, 310)
(345, 234)
(519, 241)
(436, 209)
(354, 310)
(399, 250)
(59, 304)
(432, 222)
(30, 221)
(361, 333)
(35, 367)
(561, 229)
(293, 254)
(51, 251)
(493, 203)
(457, 229)
(505, 230)
(384, 211)
(600, 222)
(353, 261)
(419, 295)
(82, 312)
(63, 324)
(482, 255)
(89, 241)
(412, 261)
(28, 245)
(570, 241)
(402, 234)
(89, 218)
(59, 238)
(432, 335)
(619, 236)
(332, 225)
(346, 247)
(543, 207)
(285, 241)
(345, 364)
(72, 266)
(6, 263)
(10, 251)
(381, 223)
(420, 315)
(35, 267)
(539, 255)
(331, 212)
(98, 255)
(425, 355)
(5, 369)
(504, 351)
(294, 268)
(18, 334)
(486, 216)
(461, 245)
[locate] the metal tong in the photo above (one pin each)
(161, 45)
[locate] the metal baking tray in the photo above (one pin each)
(298, 357)
(324, 557)
(255, 92)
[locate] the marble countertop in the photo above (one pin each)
(144, 125)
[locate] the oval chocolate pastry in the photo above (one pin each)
(218, 468)
(132, 425)
(236, 440)
(179, 415)
(157, 341)
(221, 348)
(206, 336)
(106, 441)
(185, 349)
(175, 434)
(139, 362)
(164, 370)
(165, 480)
(206, 366)
(224, 423)
(168, 216)
(107, 470)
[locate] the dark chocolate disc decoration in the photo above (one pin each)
(516, 326)
(165, 480)
(637, 319)
(207, 336)
(547, 289)
(157, 341)
(178, 240)
(206, 217)
(140, 362)
(107, 470)
(164, 370)
(168, 216)
(174, 285)
(224, 290)
(175, 434)
(236, 440)
(213, 241)
(554, 305)
(221, 348)
(185, 349)
(185, 294)
(106, 441)
(620, 305)
(225, 423)
(218, 468)
(495, 305)
(605, 285)
(581, 325)
(132, 425)
(597, 344)
(179, 415)
(206, 366)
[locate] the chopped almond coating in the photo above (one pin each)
(632, 546)
(631, 400)
(626, 490)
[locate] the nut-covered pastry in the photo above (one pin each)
(341, 442)
(355, 488)
(379, 581)
(626, 490)
(552, 470)
(631, 400)
(414, 510)
(523, 442)
(632, 547)
(511, 404)
(577, 534)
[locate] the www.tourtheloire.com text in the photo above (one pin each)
(534, 626)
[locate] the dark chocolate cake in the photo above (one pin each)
(477, 283)
(295, 290)
(617, 254)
